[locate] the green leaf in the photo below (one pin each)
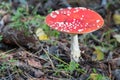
(96, 76)
(99, 54)
(117, 37)
(73, 66)
(1, 37)
(116, 17)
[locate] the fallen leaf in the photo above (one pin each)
(96, 76)
(93, 76)
(6, 18)
(41, 34)
(116, 17)
(99, 54)
(34, 63)
(117, 37)
(3, 12)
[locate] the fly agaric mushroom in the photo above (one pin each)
(74, 21)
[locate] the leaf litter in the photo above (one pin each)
(50, 59)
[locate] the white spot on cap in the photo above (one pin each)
(61, 30)
(68, 14)
(81, 25)
(80, 30)
(66, 23)
(61, 8)
(56, 28)
(97, 21)
(98, 26)
(53, 16)
(75, 27)
(81, 18)
(70, 24)
(76, 10)
(69, 7)
(57, 12)
(67, 31)
(86, 24)
(82, 15)
(64, 12)
(60, 24)
(82, 8)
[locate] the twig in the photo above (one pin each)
(56, 58)
(7, 52)
(109, 69)
(17, 43)
(49, 59)
(34, 55)
(115, 59)
(10, 76)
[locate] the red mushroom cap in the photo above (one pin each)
(75, 20)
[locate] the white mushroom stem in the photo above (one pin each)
(75, 51)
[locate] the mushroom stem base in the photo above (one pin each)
(75, 51)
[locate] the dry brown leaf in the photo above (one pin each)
(6, 18)
(34, 63)
(2, 12)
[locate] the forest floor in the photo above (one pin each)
(30, 50)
